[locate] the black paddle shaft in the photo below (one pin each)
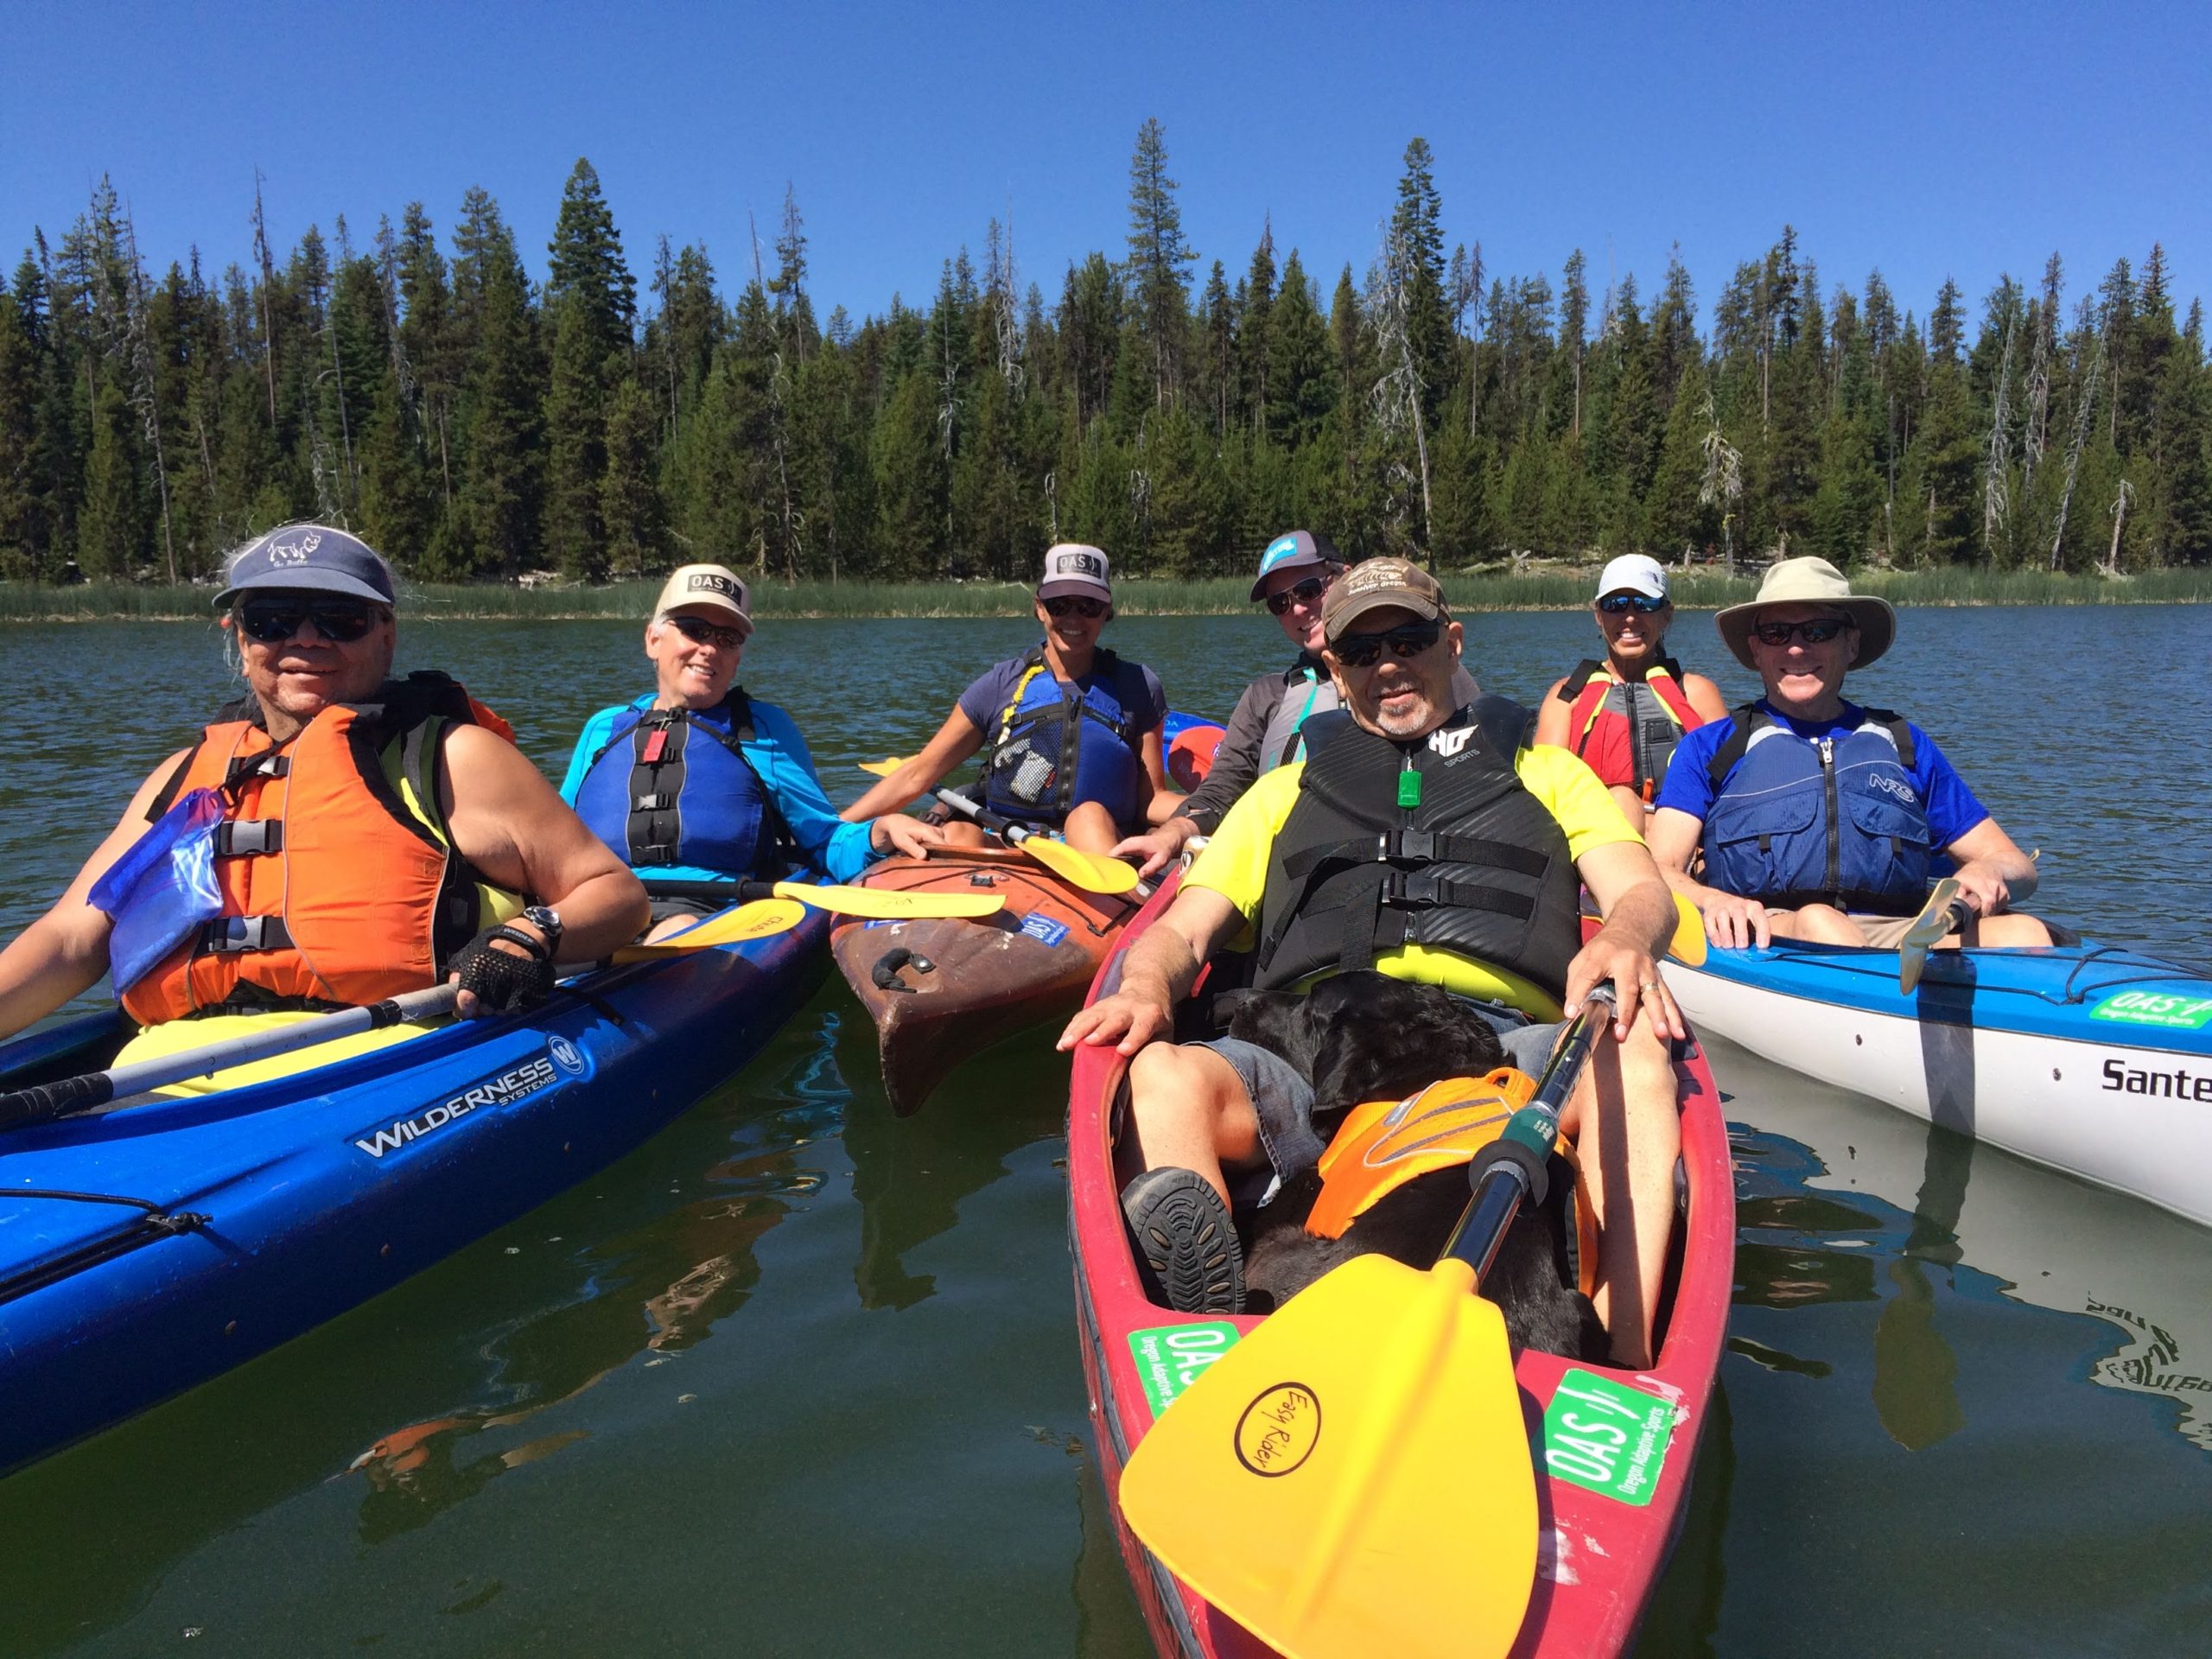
(44, 1101)
(720, 892)
(1514, 1168)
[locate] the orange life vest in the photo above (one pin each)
(1382, 1144)
(340, 883)
(1604, 737)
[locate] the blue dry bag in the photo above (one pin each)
(163, 888)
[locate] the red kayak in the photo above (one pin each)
(1606, 1517)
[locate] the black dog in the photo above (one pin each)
(1365, 1036)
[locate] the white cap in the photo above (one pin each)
(706, 587)
(1633, 573)
(1072, 568)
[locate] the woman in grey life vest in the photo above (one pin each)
(1296, 572)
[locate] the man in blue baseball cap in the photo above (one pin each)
(1296, 572)
(334, 837)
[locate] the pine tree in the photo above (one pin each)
(1417, 233)
(1159, 257)
(1255, 332)
(590, 302)
(1302, 388)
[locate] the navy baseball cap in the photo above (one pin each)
(1289, 550)
(307, 558)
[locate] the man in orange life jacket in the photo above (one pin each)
(368, 836)
(1624, 715)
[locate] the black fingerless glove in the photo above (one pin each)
(500, 979)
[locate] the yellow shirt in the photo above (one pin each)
(1235, 864)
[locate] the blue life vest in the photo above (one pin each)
(1059, 746)
(1838, 820)
(673, 786)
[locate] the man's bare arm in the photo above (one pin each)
(1157, 973)
(508, 823)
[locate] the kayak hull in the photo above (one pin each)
(294, 1201)
(1599, 1555)
(2086, 1059)
(988, 978)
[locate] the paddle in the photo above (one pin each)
(1088, 871)
(1934, 921)
(885, 767)
(1353, 1477)
(41, 1102)
(1688, 946)
(874, 903)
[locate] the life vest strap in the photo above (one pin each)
(242, 837)
(1418, 847)
(227, 935)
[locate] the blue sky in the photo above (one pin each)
(1929, 140)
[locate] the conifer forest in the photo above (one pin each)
(649, 404)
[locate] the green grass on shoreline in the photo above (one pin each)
(1470, 592)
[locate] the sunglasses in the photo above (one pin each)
(699, 632)
(272, 621)
(1070, 605)
(1621, 604)
(1818, 632)
(1364, 649)
(1307, 593)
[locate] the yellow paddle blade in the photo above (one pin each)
(885, 767)
(1089, 871)
(757, 920)
(1688, 943)
(883, 904)
(1352, 1478)
(1931, 925)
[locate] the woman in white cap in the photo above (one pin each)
(1818, 819)
(1073, 731)
(1624, 715)
(696, 781)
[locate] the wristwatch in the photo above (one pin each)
(546, 920)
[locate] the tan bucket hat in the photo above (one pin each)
(1810, 581)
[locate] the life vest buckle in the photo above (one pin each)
(228, 934)
(1418, 845)
(1412, 890)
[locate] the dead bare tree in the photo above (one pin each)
(1397, 393)
(2082, 415)
(779, 425)
(1723, 483)
(1996, 478)
(144, 393)
(2123, 500)
(1000, 285)
(268, 268)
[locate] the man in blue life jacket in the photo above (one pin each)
(1296, 572)
(1818, 819)
(696, 781)
(1431, 840)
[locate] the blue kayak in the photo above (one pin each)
(2086, 1057)
(145, 1250)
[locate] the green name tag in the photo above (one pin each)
(1607, 1436)
(1409, 789)
(2154, 1009)
(1170, 1357)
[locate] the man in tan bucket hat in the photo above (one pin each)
(1818, 819)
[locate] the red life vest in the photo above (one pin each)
(1624, 751)
(339, 884)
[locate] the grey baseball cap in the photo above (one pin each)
(1289, 550)
(307, 558)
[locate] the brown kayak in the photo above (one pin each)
(983, 979)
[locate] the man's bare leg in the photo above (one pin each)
(1628, 1129)
(1091, 829)
(1188, 1110)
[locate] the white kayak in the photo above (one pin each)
(2089, 1058)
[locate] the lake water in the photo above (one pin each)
(800, 1378)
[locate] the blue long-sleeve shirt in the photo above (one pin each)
(838, 849)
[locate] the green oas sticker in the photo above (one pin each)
(2154, 1009)
(1170, 1357)
(1607, 1436)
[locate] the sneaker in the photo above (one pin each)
(1186, 1248)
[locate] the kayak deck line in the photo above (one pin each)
(152, 1225)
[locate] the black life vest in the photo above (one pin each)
(1478, 867)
